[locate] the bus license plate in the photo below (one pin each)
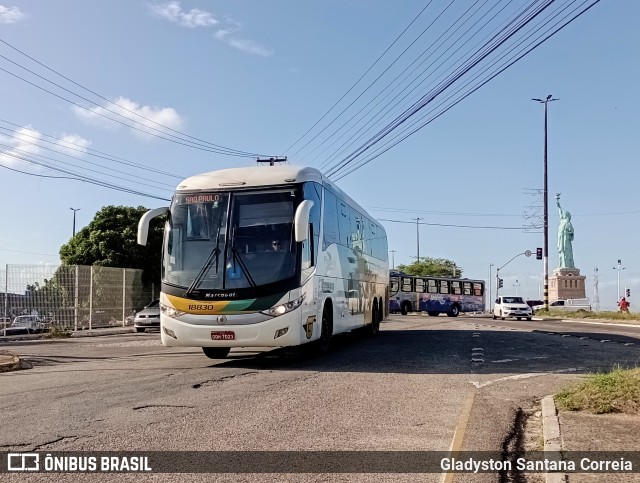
(223, 335)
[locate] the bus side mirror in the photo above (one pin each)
(301, 221)
(143, 224)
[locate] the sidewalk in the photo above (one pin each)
(573, 431)
(76, 333)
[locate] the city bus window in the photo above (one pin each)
(444, 286)
(432, 286)
(466, 288)
(455, 288)
(407, 285)
(478, 289)
(420, 285)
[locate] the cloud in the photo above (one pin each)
(22, 145)
(11, 14)
(228, 30)
(73, 144)
(192, 19)
(138, 115)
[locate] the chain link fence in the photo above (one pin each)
(74, 296)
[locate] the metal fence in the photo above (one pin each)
(74, 296)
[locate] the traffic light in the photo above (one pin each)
(500, 283)
(628, 292)
(538, 253)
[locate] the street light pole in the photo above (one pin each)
(418, 238)
(74, 219)
(489, 299)
(618, 269)
(393, 259)
(545, 101)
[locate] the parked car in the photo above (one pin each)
(148, 317)
(573, 305)
(24, 325)
(511, 307)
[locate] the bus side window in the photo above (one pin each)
(407, 285)
(478, 289)
(466, 288)
(394, 286)
(432, 286)
(455, 288)
(421, 286)
(444, 286)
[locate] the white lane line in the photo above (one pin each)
(605, 340)
(629, 343)
(478, 349)
(504, 360)
(521, 376)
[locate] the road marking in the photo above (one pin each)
(566, 335)
(505, 360)
(458, 435)
(605, 340)
(630, 343)
(477, 349)
(521, 376)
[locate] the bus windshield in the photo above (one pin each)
(230, 240)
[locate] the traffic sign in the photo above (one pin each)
(527, 253)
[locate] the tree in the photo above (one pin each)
(110, 240)
(436, 267)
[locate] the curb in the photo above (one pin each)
(74, 335)
(551, 435)
(13, 363)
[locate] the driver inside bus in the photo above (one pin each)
(276, 246)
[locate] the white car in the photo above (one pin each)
(511, 307)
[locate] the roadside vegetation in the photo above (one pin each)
(59, 333)
(617, 391)
(583, 314)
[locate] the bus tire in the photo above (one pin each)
(216, 352)
(374, 327)
(405, 308)
(432, 313)
(326, 330)
(454, 312)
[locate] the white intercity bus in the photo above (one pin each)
(267, 256)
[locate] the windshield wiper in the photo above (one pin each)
(238, 258)
(207, 265)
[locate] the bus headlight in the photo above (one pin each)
(170, 311)
(282, 309)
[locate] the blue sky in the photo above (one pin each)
(255, 76)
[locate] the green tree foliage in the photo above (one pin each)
(110, 240)
(436, 267)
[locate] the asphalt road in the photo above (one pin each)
(423, 381)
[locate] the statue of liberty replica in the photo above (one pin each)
(566, 281)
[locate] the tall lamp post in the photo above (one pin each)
(619, 268)
(393, 259)
(546, 101)
(489, 299)
(418, 238)
(74, 219)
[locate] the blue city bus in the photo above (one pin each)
(435, 295)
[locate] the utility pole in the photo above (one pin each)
(74, 219)
(489, 299)
(516, 285)
(619, 268)
(418, 237)
(596, 294)
(393, 259)
(546, 101)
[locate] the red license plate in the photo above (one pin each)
(223, 335)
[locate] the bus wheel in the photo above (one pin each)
(324, 343)
(374, 326)
(216, 352)
(432, 313)
(404, 308)
(454, 312)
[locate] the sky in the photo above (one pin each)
(314, 81)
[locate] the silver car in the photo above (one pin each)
(148, 317)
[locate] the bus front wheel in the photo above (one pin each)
(216, 352)
(326, 329)
(454, 312)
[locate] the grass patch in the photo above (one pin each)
(566, 314)
(617, 391)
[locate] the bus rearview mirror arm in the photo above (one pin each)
(301, 220)
(143, 224)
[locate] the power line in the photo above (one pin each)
(83, 149)
(389, 145)
(229, 151)
(454, 225)
(359, 79)
(484, 52)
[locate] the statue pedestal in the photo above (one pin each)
(566, 283)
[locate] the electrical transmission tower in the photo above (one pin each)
(596, 295)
